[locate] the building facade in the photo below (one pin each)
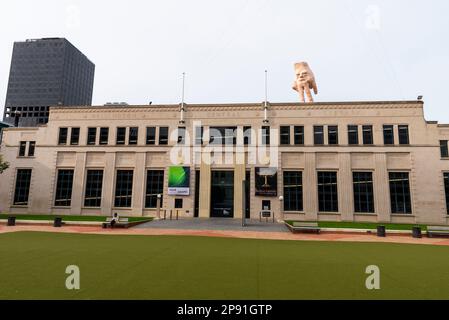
(46, 72)
(356, 161)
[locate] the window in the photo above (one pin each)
(133, 135)
(199, 131)
(327, 191)
(332, 135)
(265, 135)
(31, 148)
(247, 135)
(121, 136)
(104, 136)
(446, 188)
(400, 193)
(94, 187)
(318, 135)
(388, 135)
(63, 197)
(22, 148)
(444, 149)
(363, 192)
(75, 136)
(353, 135)
(62, 139)
(293, 200)
(368, 135)
(91, 136)
(123, 189)
(155, 186)
(151, 136)
(181, 135)
(178, 203)
(163, 135)
(22, 189)
(403, 135)
(285, 135)
(223, 135)
(299, 135)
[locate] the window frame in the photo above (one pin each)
(369, 195)
(28, 188)
(298, 135)
(395, 211)
(150, 197)
(150, 136)
(91, 133)
(101, 183)
(318, 134)
(334, 205)
(404, 140)
(63, 142)
(388, 142)
(444, 149)
(129, 194)
(102, 141)
(62, 194)
(163, 136)
(299, 198)
(353, 136)
(332, 135)
(75, 138)
(369, 136)
(120, 131)
(284, 135)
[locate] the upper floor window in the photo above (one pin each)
(121, 135)
(181, 135)
(163, 135)
(318, 135)
(104, 136)
(446, 189)
(299, 135)
(403, 134)
(285, 135)
(388, 135)
(22, 148)
(75, 136)
(151, 136)
(31, 148)
(247, 135)
(368, 135)
(332, 135)
(199, 131)
(91, 136)
(133, 135)
(62, 139)
(265, 135)
(353, 135)
(444, 149)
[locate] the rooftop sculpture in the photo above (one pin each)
(305, 81)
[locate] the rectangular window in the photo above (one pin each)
(151, 136)
(353, 135)
(368, 135)
(75, 136)
(446, 188)
(388, 135)
(247, 135)
(62, 139)
(91, 136)
(133, 135)
(199, 131)
(327, 191)
(444, 149)
(223, 135)
(22, 148)
(293, 198)
(123, 189)
(155, 186)
(31, 148)
(332, 135)
(400, 193)
(299, 135)
(265, 135)
(181, 135)
(403, 134)
(63, 197)
(22, 189)
(121, 136)
(318, 135)
(94, 187)
(285, 135)
(104, 136)
(363, 192)
(163, 136)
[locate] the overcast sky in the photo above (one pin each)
(358, 49)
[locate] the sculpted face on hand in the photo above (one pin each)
(304, 82)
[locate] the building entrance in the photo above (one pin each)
(222, 194)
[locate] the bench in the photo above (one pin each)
(121, 223)
(437, 231)
(304, 227)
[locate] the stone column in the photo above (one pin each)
(239, 177)
(310, 190)
(78, 183)
(107, 202)
(139, 184)
(381, 188)
(205, 187)
(345, 189)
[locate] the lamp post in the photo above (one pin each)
(159, 198)
(281, 204)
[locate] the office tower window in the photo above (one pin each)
(199, 131)
(124, 189)
(31, 148)
(75, 136)
(363, 192)
(151, 136)
(247, 135)
(403, 134)
(368, 135)
(353, 135)
(400, 193)
(318, 135)
(62, 139)
(22, 148)
(446, 188)
(155, 186)
(91, 136)
(327, 191)
(299, 135)
(121, 136)
(133, 135)
(388, 135)
(332, 135)
(285, 135)
(293, 199)
(63, 197)
(104, 136)
(94, 187)
(181, 135)
(444, 149)
(265, 135)
(22, 188)
(163, 135)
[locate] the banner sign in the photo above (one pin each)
(266, 182)
(178, 181)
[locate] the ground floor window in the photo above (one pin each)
(400, 193)
(123, 188)
(94, 187)
(155, 186)
(446, 187)
(63, 197)
(363, 192)
(22, 189)
(327, 191)
(293, 199)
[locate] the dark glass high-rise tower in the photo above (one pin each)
(46, 72)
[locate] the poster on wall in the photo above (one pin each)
(178, 181)
(266, 182)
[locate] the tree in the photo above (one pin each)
(3, 165)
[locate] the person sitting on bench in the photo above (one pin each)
(115, 219)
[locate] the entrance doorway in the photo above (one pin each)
(222, 194)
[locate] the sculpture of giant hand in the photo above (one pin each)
(305, 81)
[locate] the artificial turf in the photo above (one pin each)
(32, 266)
(72, 218)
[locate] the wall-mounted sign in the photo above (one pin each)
(266, 182)
(178, 181)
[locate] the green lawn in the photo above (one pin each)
(167, 267)
(367, 225)
(42, 217)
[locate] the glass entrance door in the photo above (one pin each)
(222, 194)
